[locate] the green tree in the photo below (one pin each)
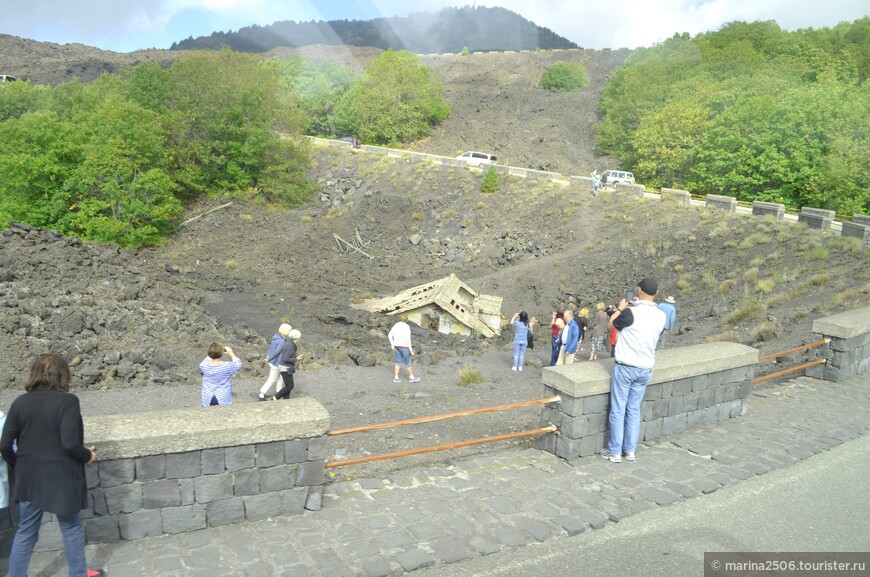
(37, 153)
(226, 122)
(121, 191)
(397, 100)
(490, 181)
(564, 77)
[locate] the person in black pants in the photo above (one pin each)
(287, 363)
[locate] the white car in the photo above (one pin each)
(617, 177)
(477, 158)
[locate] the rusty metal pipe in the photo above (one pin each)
(442, 417)
(444, 447)
(794, 350)
(788, 371)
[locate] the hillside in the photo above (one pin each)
(135, 324)
(449, 30)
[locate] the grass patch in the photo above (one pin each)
(766, 285)
(819, 253)
(726, 337)
(848, 295)
(231, 264)
(726, 286)
(246, 218)
(755, 239)
(777, 299)
(418, 216)
(751, 275)
(820, 279)
(748, 309)
(306, 219)
(470, 375)
(800, 313)
(766, 331)
(449, 213)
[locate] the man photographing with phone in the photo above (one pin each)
(639, 328)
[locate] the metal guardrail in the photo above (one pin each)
(445, 446)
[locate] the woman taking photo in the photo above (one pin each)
(42, 442)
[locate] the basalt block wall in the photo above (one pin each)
(690, 387)
(849, 349)
(177, 471)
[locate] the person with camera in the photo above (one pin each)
(287, 364)
(639, 324)
(217, 388)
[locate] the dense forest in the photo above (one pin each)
(477, 29)
(749, 111)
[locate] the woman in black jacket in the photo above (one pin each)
(287, 363)
(48, 464)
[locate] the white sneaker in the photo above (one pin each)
(612, 457)
(519, 368)
(513, 368)
(630, 457)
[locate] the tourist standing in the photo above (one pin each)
(556, 325)
(639, 327)
(217, 388)
(570, 339)
(669, 307)
(520, 322)
(599, 331)
(287, 364)
(43, 444)
(400, 341)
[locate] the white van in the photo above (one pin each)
(477, 158)
(617, 177)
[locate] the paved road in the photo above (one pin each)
(820, 504)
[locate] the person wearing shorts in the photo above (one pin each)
(400, 341)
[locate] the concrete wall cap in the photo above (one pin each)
(160, 432)
(583, 379)
(844, 325)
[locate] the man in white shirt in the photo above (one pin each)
(400, 341)
(639, 327)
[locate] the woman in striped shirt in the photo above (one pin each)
(217, 389)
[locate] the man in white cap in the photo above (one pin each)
(668, 307)
(639, 326)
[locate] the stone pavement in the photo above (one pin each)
(371, 528)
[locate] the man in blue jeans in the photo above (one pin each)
(639, 326)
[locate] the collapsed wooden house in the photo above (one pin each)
(446, 305)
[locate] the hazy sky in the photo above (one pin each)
(126, 25)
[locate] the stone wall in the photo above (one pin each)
(690, 387)
(774, 209)
(849, 349)
(726, 203)
(675, 195)
(177, 471)
(818, 218)
(856, 230)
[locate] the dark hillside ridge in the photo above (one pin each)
(451, 30)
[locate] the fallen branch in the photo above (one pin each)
(206, 213)
(340, 241)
